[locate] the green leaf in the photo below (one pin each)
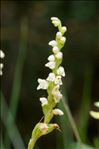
(96, 142)
(77, 146)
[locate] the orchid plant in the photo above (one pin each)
(52, 84)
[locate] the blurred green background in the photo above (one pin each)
(26, 30)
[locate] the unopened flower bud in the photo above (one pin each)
(43, 127)
(61, 71)
(64, 29)
(55, 49)
(59, 35)
(54, 19)
(51, 127)
(56, 23)
(51, 77)
(1, 66)
(59, 55)
(63, 40)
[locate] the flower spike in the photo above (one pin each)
(52, 84)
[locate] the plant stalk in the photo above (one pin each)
(72, 122)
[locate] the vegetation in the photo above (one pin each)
(25, 30)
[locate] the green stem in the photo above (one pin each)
(32, 144)
(72, 122)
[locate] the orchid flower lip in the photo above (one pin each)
(43, 84)
(53, 43)
(44, 101)
(50, 65)
(51, 58)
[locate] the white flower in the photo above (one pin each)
(59, 55)
(58, 112)
(59, 35)
(55, 49)
(58, 80)
(61, 71)
(64, 29)
(51, 58)
(63, 40)
(53, 43)
(43, 127)
(43, 84)
(2, 55)
(56, 93)
(51, 77)
(51, 65)
(44, 101)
